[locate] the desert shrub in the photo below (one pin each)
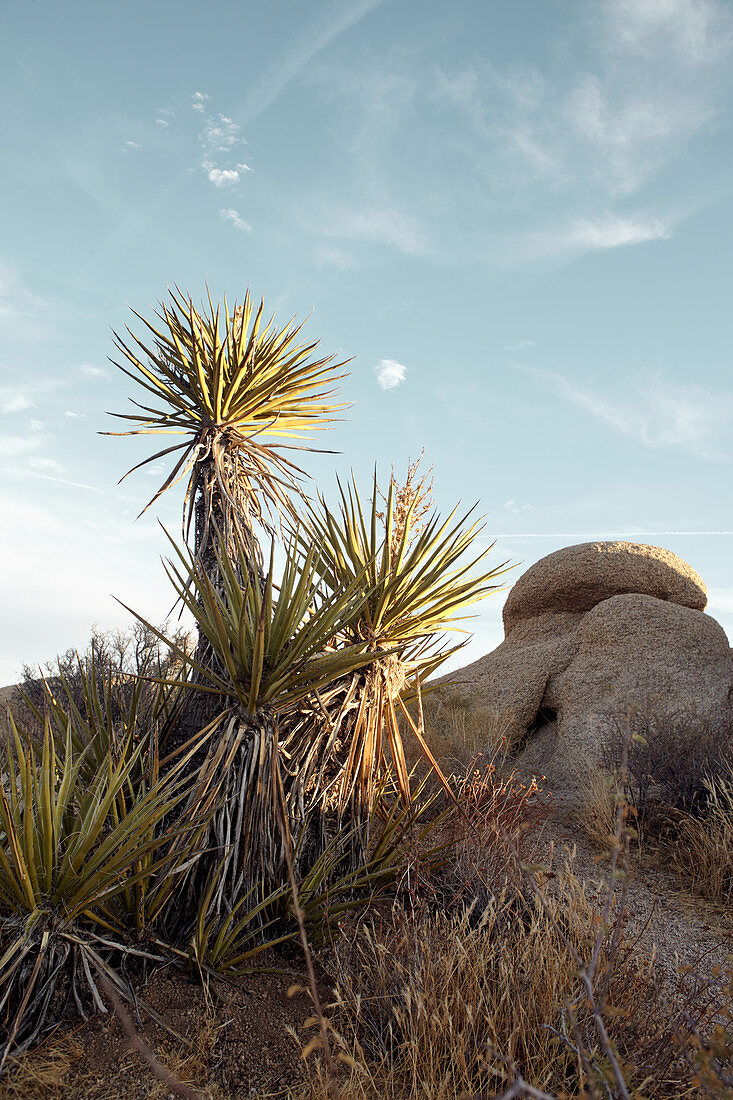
(493, 828)
(114, 663)
(670, 758)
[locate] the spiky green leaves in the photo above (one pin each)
(67, 845)
(417, 583)
(274, 643)
(224, 380)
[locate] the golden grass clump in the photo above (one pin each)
(596, 810)
(706, 844)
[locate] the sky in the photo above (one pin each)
(515, 217)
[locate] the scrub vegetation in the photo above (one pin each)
(265, 797)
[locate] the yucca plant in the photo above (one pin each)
(418, 576)
(276, 647)
(328, 889)
(69, 847)
(225, 381)
(242, 392)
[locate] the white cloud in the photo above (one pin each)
(623, 535)
(512, 506)
(164, 117)
(220, 134)
(199, 100)
(75, 415)
(14, 400)
(130, 145)
(17, 303)
(390, 373)
(695, 30)
(221, 177)
(520, 346)
(488, 160)
(93, 372)
(335, 256)
(36, 425)
(232, 216)
(61, 561)
(660, 413)
(49, 465)
(720, 599)
(625, 139)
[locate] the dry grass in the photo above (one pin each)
(42, 1074)
(596, 811)
(697, 847)
(59, 1070)
(186, 1066)
(706, 844)
(430, 1006)
(456, 729)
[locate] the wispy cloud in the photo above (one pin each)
(516, 163)
(587, 235)
(221, 139)
(333, 255)
(45, 465)
(164, 117)
(220, 134)
(199, 101)
(17, 302)
(606, 536)
(13, 445)
(696, 31)
(14, 399)
(720, 599)
(91, 371)
(376, 225)
(232, 216)
(390, 373)
(660, 412)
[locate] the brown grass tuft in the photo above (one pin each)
(705, 844)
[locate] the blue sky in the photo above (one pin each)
(515, 217)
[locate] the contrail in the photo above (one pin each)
(623, 535)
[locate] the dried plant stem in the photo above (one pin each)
(136, 1043)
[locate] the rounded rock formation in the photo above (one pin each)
(593, 632)
(577, 578)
